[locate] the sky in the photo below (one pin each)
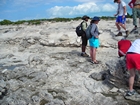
(15, 10)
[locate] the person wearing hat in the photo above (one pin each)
(94, 40)
(121, 17)
(83, 36)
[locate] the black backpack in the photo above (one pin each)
(79, 31)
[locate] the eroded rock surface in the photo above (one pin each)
(41, 65)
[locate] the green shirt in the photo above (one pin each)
(84, 25)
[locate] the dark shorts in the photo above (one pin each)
(133, 61)
(120, 19)
(84, 40)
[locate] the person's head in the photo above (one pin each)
(95, 20)
(85, 17)
(117, 1)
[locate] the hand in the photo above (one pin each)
(96, 36)
(123, 16)
(115, 15)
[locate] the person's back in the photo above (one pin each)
(133, 65)
(135, 48)
(123, 46)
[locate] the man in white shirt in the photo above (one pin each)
(121, 17)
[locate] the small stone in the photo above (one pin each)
(113, 90)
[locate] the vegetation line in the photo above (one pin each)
(39, 21)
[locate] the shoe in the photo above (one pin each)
(94, 62)
(134, 29)
(84, 55)
(130, 93)
(127, 33)
(119, 34)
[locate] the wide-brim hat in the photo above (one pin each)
(84, 17)
(96, 18)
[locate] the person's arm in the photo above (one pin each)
(131, 3)
(124, 11)
(94, 31)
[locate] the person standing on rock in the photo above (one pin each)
(83, 37)
(135, 5)
(133, 64)
(94, 41)
(121, 17)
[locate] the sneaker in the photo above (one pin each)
(127, 32)
(134, 29)
(130, 93)
(84, 55)
(119, 34)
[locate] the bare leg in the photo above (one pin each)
(94, 54)
(91, 53)
(118, 27)
(123, 26)
(131, 79)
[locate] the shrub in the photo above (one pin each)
(5, 22)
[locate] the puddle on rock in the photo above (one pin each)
(12, 67)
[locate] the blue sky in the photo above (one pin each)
(15, 10)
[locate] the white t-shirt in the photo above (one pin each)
(120, 8)
(135, 47)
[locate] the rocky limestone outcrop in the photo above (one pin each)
(41, 65)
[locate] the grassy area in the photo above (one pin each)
(39, 21)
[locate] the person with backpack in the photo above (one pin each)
(83, 36)
(94, 40)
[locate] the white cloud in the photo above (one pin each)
(108, 8)
(86, 8)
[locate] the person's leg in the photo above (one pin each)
(94, 54)
(139, 22)
(123, 26)
(131, 79)
(138, 11)
(91, 53)
(118, 27)
(83, 48)
(84, 44)
(134, 12)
